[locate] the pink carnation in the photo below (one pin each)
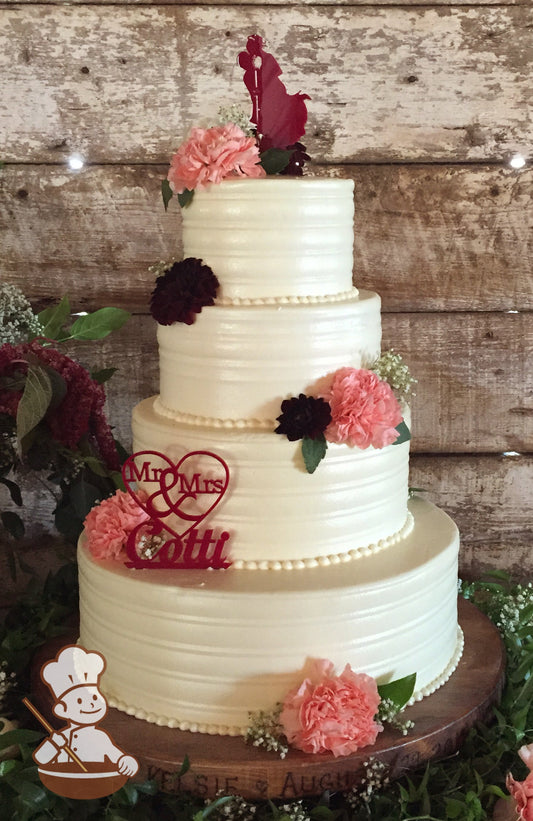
(109, 524)
(332, 713)
(364, 410)
(522, 792)
(212, 154)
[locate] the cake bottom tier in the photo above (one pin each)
(199, 650)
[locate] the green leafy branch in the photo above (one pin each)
(87, 326)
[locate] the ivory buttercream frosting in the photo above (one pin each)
(329, 559)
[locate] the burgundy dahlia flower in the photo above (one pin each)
(303, 417)
(182, 291)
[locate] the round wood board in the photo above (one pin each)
(228, 765)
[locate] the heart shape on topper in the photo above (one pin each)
(181, 498)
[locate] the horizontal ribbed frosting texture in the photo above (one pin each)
(274, 237)
(199, 650)
(241, 362)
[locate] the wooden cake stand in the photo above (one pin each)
(222, 763)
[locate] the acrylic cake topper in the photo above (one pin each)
(178, 497)
(278, 116)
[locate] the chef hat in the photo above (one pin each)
(72, 667)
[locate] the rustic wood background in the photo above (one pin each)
(422, 104)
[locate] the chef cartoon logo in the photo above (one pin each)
(80, 760)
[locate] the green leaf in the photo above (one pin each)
(19, 737)
(52, 319)
(13, 524)
(148, 787)
(15, 382)
(95, 465)
(14, 490)
(84, 496)
(321, 813)
(166, 193)
(455, 808)
(58, 385)
(74, 507)
(103, 375)
(7, 766)
(313, 451)
(34, 401)
(130, 791)
(275, 160)
(214, 805)
(99, 324)
(404, 433)
(11, 561)
(33, 794)
(185, 198)
(399, 691)
(186, 766)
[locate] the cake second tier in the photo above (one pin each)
(237, 363)
(277, 514)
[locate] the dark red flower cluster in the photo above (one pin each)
(299, 157)
(303, 417)
(79, 413)
(182, 291)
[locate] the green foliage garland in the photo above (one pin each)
(464, 786)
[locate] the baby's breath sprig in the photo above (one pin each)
(161, 267)
(510, 606)
(376, 776)
(7, 680)
(266, 731)
(295, 811)
(236, 115)
(18, 323)
(392, 369)
(388, 713)
(234, 808)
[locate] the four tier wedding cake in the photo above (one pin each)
(274, 529)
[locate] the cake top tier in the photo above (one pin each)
(275, 237)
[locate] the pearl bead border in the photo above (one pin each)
(222, 729)
(334, 558)
(326, 299)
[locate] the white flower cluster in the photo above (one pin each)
(295, 811)
(392, 369)
(237, 809)
(266, 731)
(161, 267)
(375, 778)
(235, 114)
(510, 617)
(8, 451)
(18, 323)
(6, 680)
(389, 713)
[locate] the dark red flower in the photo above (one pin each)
(182, 291)
(303, 417)
(297, 161)
(80, 412)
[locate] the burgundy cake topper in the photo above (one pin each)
(178, 497)
(280, 117)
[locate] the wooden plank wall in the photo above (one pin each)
(423, 104)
